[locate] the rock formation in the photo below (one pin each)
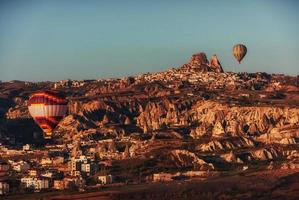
(200, 63)
(215, 64)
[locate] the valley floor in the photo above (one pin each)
(266, 184)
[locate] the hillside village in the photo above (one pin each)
(192, 121)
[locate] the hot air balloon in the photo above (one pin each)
(47, 108)
(239, 52)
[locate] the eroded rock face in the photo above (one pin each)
(288, 141)
(201, 130)
(215, 64)
(226, 128)
(265, 154)
(226, 144)
(18, 112)
(199, 59)
(231, 158)
(218, 130)
(219, 120)
(72, 128)
(184, 158)
(200, 63)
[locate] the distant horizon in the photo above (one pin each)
(133, 75)
(57, 40)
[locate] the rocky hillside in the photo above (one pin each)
(195, 117)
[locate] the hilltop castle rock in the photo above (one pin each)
(200, 63)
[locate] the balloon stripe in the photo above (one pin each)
(47, 94)
(40, 98)
(46, 100)
(52, 118)
(45, 121)
(47, 110)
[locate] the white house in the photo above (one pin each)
(105, 179)
(33, 172)
(26, 147)
(46, 161)
(89, 168)
(85, 167)
(35, 183)
(163, 177)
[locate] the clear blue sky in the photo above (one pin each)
(84, 39)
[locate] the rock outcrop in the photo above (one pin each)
(184, 158)
(215, 64)
(226, 144)
(200, 63)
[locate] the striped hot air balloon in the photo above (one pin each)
(239, 52)
(47, 108)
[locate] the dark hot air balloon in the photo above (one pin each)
(47, 108)
(239, 52)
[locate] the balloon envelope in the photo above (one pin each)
(239, 52)
(47, 108)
